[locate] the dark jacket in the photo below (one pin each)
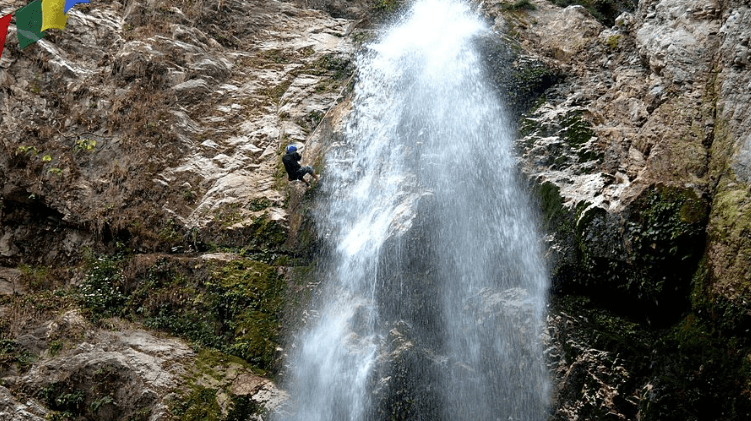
(291, 163)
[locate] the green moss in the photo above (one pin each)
(551, 201)
(241, 407)
(337, 66)
(585, 229)
(13, 354)
(228, 216)
(612, 41)
(386, 8)
(276, 92)
(259, 204)
(233, 307)
(200, 404)
(209, 390)
(577, 132)
(527, 85)
(276, 56)
(664, 237)
(268, 233)
(313, 118)
(664, 221)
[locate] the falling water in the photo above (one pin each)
(434, 302)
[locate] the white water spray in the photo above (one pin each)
(436, 294)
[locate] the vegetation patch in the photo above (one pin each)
(209, 394)
(276, 92)
(200, 404)
(612, 41)
(555, 213)
(729, 228)
(234, 307)
(387, 8)
(259, 204)
(339, 67)
(102, 290)
(524, 85)
(666, 231)
(12, 354)
(689, 370)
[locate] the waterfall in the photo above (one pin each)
(434, 298)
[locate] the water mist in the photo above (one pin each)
(434, 300)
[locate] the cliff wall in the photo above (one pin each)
(638, 157)
(152, 252)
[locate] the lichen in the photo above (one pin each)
(730, 224)
(612, 41)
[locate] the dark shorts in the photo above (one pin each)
(301, 173)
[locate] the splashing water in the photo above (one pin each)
(435, 298)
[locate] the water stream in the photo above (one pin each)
(435, 292)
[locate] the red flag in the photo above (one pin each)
(4, 22)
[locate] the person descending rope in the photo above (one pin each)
(295, 171)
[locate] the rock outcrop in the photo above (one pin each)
(184, 105)
(142, 197)
(637, 157)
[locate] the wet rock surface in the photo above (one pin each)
(635, 156)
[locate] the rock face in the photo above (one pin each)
(148, 128)
(638, 159)
(150, 133)
(141, 103)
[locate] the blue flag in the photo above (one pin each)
(70, 3)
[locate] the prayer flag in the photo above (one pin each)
(70, 3)
(4, 22)
(29, 23)
(52, 14)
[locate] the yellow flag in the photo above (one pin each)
(52, 14)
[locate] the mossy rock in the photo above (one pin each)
(666, 231)
(686, 371)
(235, 228)
(234, 306)
(200, 404)
(642, 266)
(703, 374)
(730, 255)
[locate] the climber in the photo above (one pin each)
(295, 171)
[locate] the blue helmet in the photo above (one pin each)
(291, 148)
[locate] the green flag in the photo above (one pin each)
(29, 23)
